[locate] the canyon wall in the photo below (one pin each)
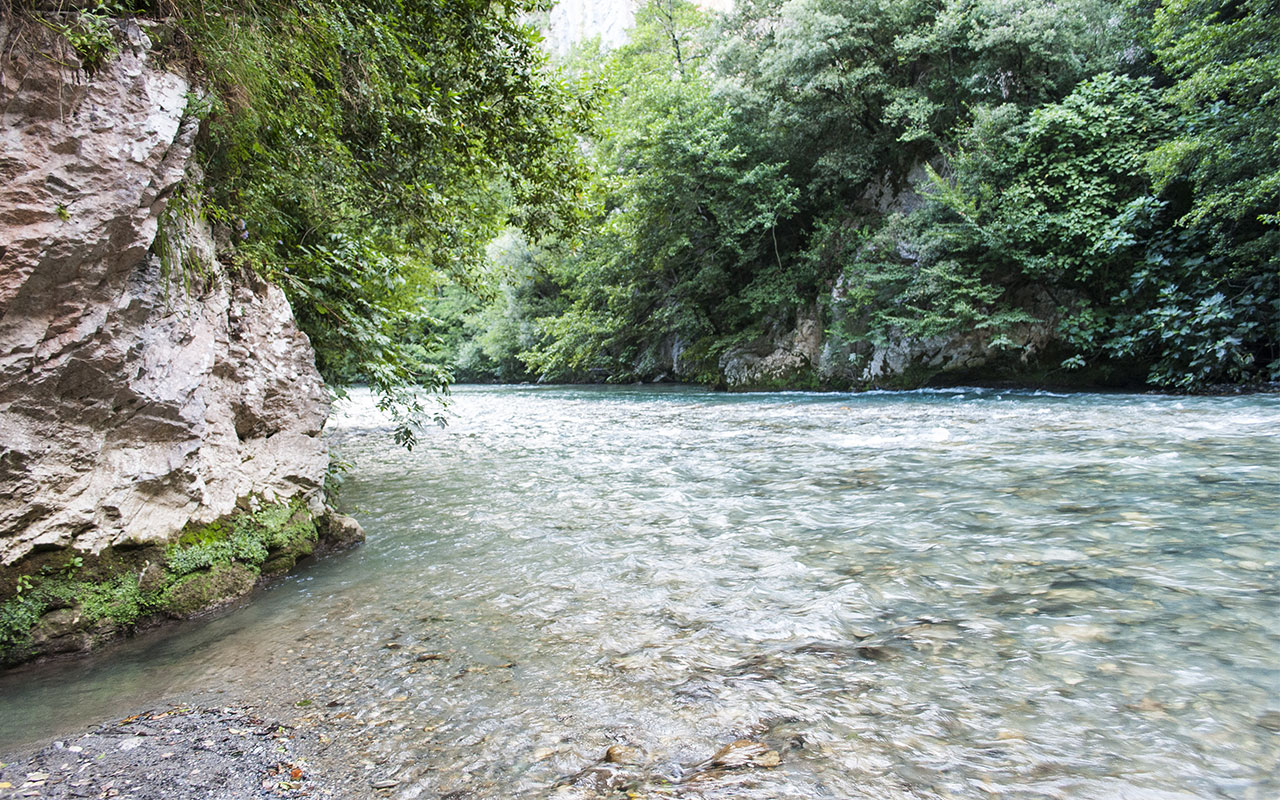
(146, 388)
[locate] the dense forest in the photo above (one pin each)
(1092, 187)
(1087, 192)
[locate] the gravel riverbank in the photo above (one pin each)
(184, 751)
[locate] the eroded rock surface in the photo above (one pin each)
(138, 394)
(786, 359)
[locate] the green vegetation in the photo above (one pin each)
(361, 154)
(1100, 173)
(1103, 173)
(205, 566)
(88, 32)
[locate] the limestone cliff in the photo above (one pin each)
(144, 389)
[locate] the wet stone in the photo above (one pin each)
(1269, 720)
(622, 754)
(744, 753)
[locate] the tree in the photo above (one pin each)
(367, 151)
(687, 218)
(1225, 60)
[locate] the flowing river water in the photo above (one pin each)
(960, 593)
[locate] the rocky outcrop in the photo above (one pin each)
(782, 359)
(901, 361)
(144, 389)
(806, 356)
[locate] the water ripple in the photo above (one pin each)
(951, 593)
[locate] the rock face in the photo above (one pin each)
(786, 359)
(138, 394)
(906, 362)
(806, 357)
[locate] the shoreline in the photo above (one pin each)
(1143, 390)
(182, 750)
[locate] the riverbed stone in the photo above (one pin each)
(745, 753)
(623, 754)
(173, 752)
(1269, 720)
(1082, 632)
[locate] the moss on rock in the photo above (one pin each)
(66, 604)
(201, 591)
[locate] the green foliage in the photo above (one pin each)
(1197, 317)
(88, 31)
(688, 214)
(1107, 170)
(914, 168)
(854, 92)
(1222, 321)
(335, 476)
(1030, 202)
(1078, 183)
(181, 260)
(362, 154)
(1225, 58)
(246, 538)
(18, 615)
(492, 335)
(213, 555)
(119, 599)
(1055, 204)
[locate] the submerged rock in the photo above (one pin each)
(623, 754)
(744, 753)
(1269, 720)
(614, 772)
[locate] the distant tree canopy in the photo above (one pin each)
(897, 168)
(1115, 163)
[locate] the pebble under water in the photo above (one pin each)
(957, 593)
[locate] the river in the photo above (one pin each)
(957, 593)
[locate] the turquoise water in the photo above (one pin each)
(961, 593)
